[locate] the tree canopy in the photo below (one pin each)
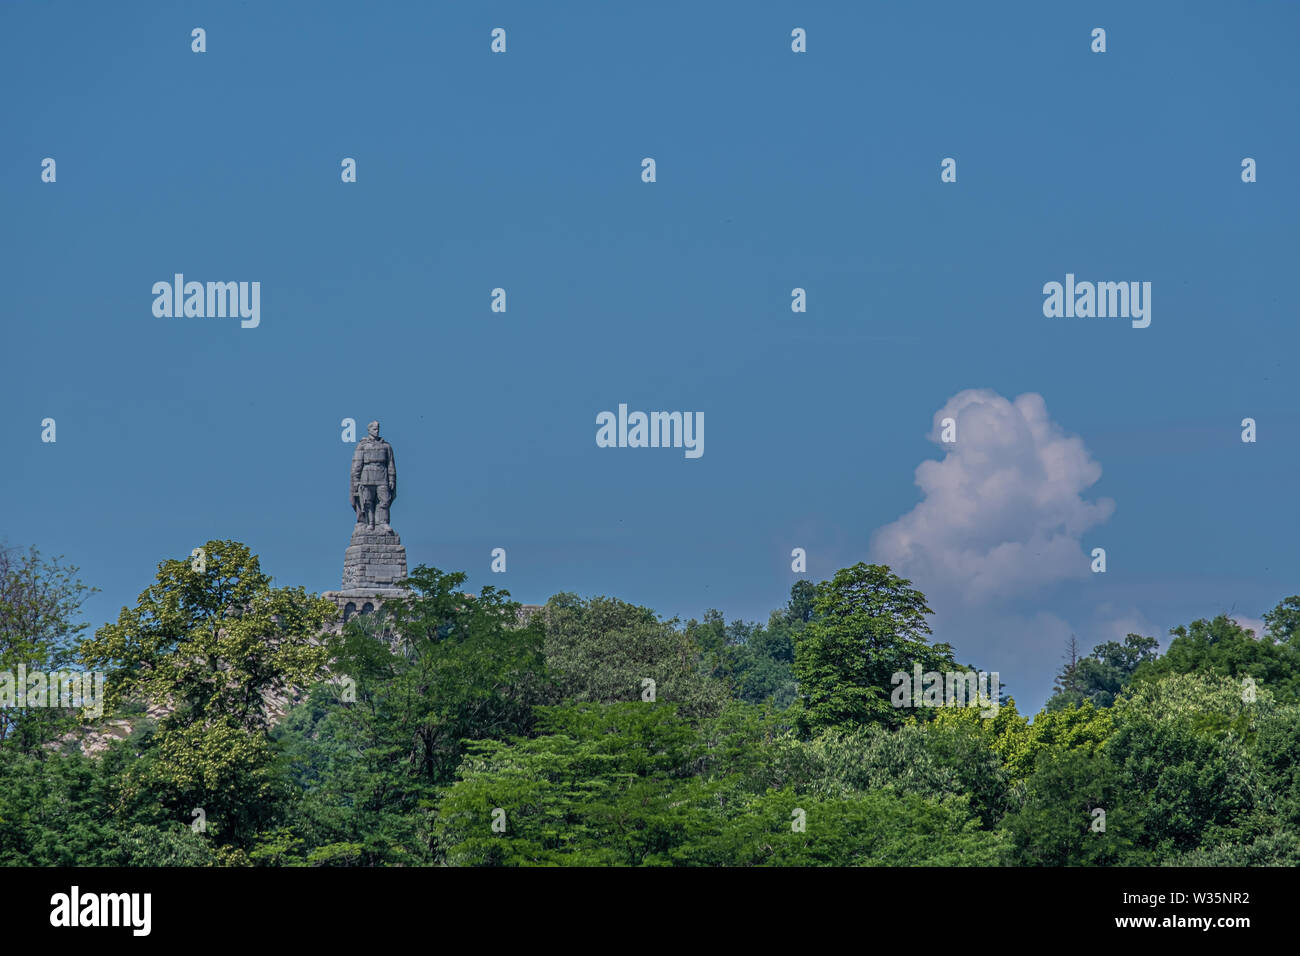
(246, 726)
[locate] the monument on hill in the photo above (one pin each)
(376, 558)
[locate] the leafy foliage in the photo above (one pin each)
(39, 603)
(1222, 647)
(1099, 678)
(442, 731)
(212, 648)
(867, 624)
(603, 649)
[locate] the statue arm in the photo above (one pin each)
(392, 474)
(355, 482)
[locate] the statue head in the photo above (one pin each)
(373, 429)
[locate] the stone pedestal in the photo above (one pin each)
(375, 559)
(372, 565)
(354, 601)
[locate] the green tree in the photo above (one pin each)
(1058, 820)
(874, 828)
(1068, 685)
(1100, 677)
(217, 650)
(1183, 752)
(603, 784)
(40, 601)
(867, 624)
(1283, 622)
(603, 650)
(946, 761)
(1224, 648)
(756, 660)
(431, 672)
(1277, 744)
(1021, 744)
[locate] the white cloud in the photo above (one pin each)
(1003, 513)
(1112, 625)
(1250, 624)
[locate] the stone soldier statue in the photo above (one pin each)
(374, 479)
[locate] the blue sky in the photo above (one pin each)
(774, 170)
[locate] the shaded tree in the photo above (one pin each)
(40, 601)
(603, 650)
(217, 651)
(867, 624)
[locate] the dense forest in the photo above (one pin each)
(448, 729)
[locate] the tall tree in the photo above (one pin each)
(1099, 677)
(1067, 686)
(1224, 648)
(1183, 756)
(867, 624)
(216, 650)
(1283, 622)
(40, 601)
(606, 650)
(433, 671)
(756, 660)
